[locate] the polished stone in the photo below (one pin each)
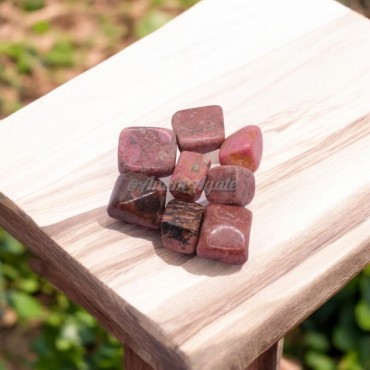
(199, 129)
(243, 148)
(224, 234)
(138, 199)
(147, 150)
(232, 185)
(180, 226)
(189, 176)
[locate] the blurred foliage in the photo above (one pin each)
(39, 327)
(57, 40)
(337, 336)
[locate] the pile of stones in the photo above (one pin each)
(221, 230)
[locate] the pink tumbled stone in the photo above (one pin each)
(189, 176)
(230, 185)
(200, 129)
(150, 151)
(243, 148)
(224, 235)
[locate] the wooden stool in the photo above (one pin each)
(300, 70)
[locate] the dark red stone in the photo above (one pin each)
(189, 176)
(233, 185)
(147, 150)
(199, 129)
(138, 199)
(180, 226)
(224, 234)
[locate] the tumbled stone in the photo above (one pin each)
(189, 176)
(138, 199)
(224, 235)
(243, 148)
(180, 226)
(233, 185)
(199, 129)
(147, 150)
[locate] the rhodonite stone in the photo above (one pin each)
(243, 148)
(230, 185)
(199, 129)
(138, 199)
(147, 150)
(180, 226)
(189, 176)
(224, 234)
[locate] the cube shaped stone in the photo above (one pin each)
(189, 176)
(138, 199)
(233, 185)
(147, 150)
(224, 235)
(199, 129)
(180, 226)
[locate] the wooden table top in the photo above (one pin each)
(300, 69)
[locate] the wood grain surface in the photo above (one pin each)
(301, 72)
(268, 360)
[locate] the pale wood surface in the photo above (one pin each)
(268, 360)
(300, 71)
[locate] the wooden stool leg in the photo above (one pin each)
(132, 361)
(269, 360)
